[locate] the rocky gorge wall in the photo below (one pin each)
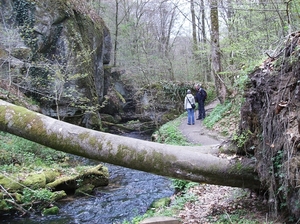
(58, 52)
(54, 51)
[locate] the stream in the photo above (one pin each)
(129, 194)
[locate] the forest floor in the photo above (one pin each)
(221, 204)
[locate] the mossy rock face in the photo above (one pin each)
(170, 115)
(52, 34)
(22, 53)
(51, 211)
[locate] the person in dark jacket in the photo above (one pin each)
(200, 99)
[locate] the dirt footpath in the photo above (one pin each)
(197, 133)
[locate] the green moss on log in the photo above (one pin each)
(85, 190)
(51, 175)
(83, 136)
(10, 183)
(51, 211)
(97, 176)
(26, 120)
(18, 197)
(93, 141)
(57, 195)
(34, 181)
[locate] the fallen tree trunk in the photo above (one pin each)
(183, 162)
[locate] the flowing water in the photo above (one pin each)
(129, 194)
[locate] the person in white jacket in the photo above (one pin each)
(188, 101)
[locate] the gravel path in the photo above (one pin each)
(197, 133)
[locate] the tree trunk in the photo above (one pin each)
(194, 29)
(203, 27)
(215, 52)
(196, 164)
(116, 33)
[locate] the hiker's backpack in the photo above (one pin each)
(204, 94)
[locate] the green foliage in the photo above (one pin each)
(175, 90)
(170, 134)
(183, 185)
(160, 203)
(217, 114)
(179, 184)
(16, 150)
(180, 201)
(277, 165)
(241, 82)
(250, 33)
(211, 94)
(42, 195)
(242, 138)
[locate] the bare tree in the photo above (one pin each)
(11, 46)
(215, 51)
(201, 20)
(116, 32)
(194, 27)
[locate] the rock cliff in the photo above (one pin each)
(58, 51)
(55, 51)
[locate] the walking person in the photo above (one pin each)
(200, 99)
(189, 105)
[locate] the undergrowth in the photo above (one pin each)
(18, 153)
(217, 114)
(170, 134)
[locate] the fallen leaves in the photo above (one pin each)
(214, 201)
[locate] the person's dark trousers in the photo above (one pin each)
(201, 114)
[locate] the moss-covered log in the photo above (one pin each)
(198, 164)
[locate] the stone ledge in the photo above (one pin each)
(160, 220)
